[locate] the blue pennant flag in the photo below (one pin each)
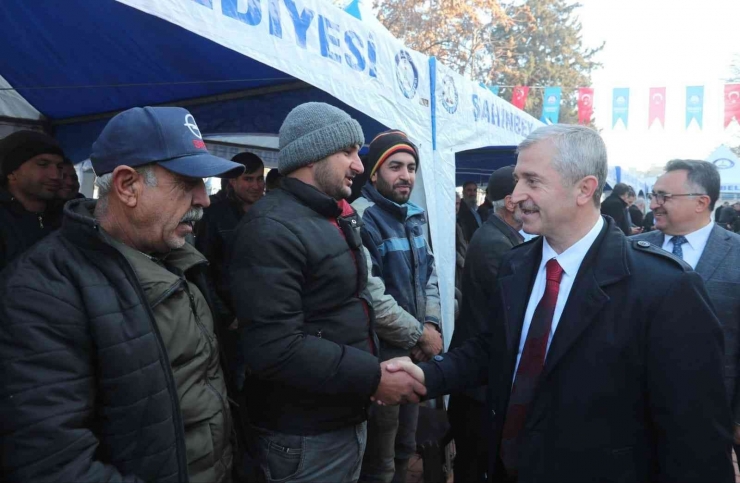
(621, 106)
(354, 9)
(695, 105)
(551, 105)
(494, 89)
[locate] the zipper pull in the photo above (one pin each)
(41, 221)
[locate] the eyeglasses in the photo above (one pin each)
(661, 198)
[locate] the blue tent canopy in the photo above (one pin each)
(478, 164)
(113, 57)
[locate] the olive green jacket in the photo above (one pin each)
(186, 325)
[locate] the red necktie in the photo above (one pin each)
(530, 367)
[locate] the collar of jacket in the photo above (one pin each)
(321, 203)
(607, 257)
(7, 200)
(402, 212)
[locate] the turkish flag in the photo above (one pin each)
(732, 103)
(657, 106)
(585, 104)
(519, 97)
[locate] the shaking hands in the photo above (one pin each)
(401, 381)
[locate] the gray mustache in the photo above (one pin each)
(193, 214)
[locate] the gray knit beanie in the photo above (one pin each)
(313, 131)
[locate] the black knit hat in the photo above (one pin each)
(501, 183)
(21, 146)
(384, 146)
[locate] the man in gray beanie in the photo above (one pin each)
(298, 279)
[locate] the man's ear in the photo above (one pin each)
(126, 185)
(510, 205)
(374, 178)
(586, 188)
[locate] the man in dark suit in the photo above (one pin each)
(683, 201)
(468, 216)
(497, 236)
(617, 205)
(637, 212)
(718, 211)
(594, 374)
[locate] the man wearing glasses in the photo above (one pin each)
(682, 201)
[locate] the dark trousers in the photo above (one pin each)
(470, 431)
(391, 438)
(334, 456)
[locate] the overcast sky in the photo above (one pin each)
(662, 43)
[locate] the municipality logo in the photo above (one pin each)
(450, 98)
(407, 75)
(724, 163)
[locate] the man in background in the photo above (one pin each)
(403, 287)
(469, 218)
(683, 199)
(70, 183)
(467, 410)
(214, 239)
(616, 205)
(30, 177)
(272, 181)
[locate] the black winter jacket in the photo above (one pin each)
(616, 207)
(214, 239)
(86, 389)
(298, 281)
(20, 229)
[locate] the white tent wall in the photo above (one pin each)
(14, 106)
(466, 116)
(728, 165)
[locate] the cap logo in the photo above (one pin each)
(190, 124)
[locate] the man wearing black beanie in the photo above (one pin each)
(405, 295)
(30, 176)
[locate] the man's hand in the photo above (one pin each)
(636, 230)
(400, 382)
(737, 434)
(429, 344)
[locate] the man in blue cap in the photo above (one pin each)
(111, 362)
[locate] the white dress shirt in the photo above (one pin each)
(570, 261)
(694, 247)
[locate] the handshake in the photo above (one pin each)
(401, 381)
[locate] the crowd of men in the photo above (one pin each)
(293, 339)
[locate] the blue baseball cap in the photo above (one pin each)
(167, 136)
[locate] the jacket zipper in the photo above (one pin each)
(224, 406)
(177, 416)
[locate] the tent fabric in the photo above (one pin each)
(261, 114)
(728, 165)
(113, 57)
(478, 164)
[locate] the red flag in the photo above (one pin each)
(585, 104)
(657, 106)
(732, 103)
(519, 97)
